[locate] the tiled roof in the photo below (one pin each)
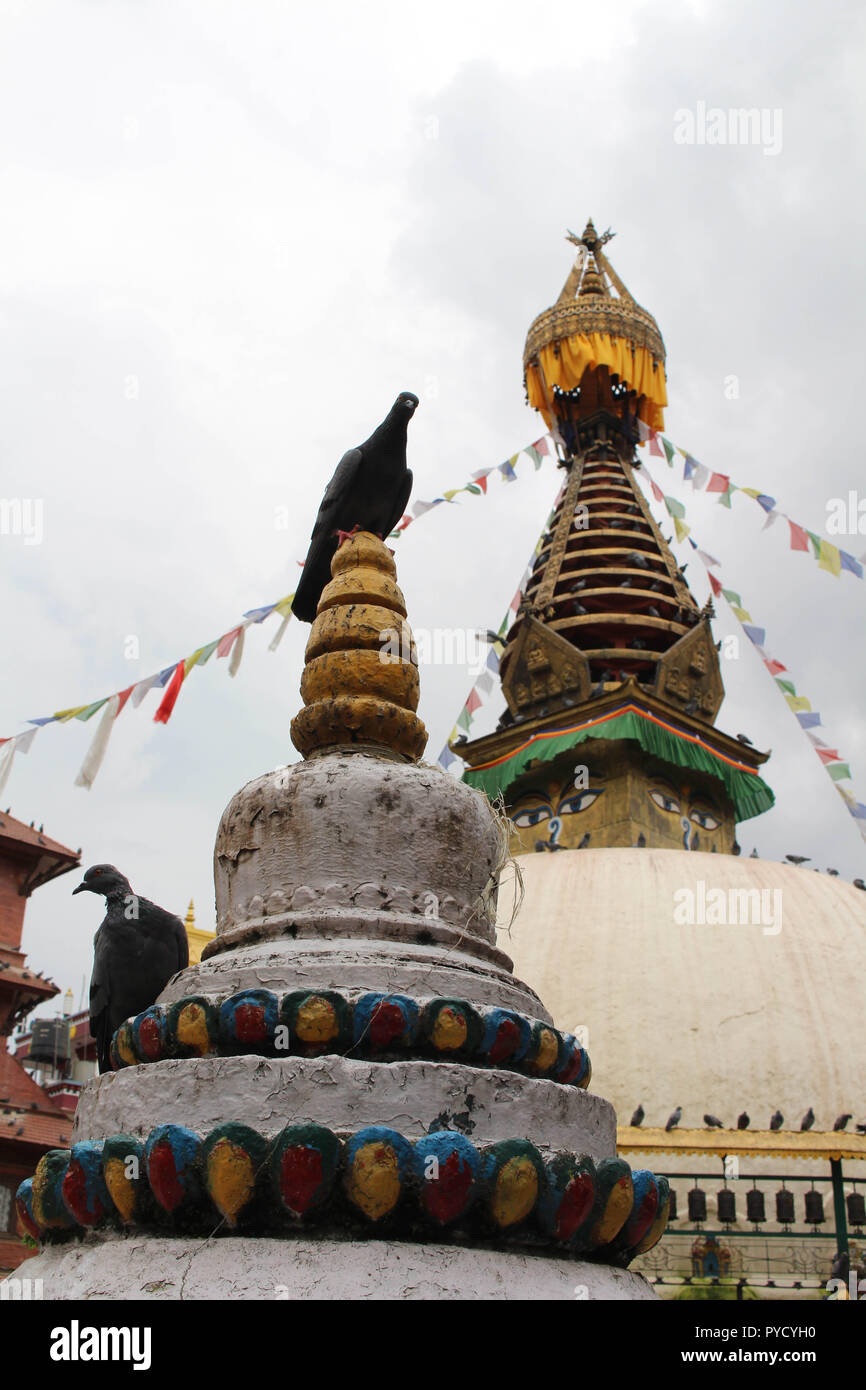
(15, 830)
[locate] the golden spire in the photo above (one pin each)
(189, 919)
(360, 683)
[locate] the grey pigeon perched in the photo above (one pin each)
(674, 1119)
(841, 1122)
(777, 1120)
(368, 491)
(136, 950)
(808, 1119)
(712, 1122)
(637, 1117)
(743, 1121)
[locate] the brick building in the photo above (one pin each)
(31, 1119)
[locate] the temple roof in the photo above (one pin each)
(594, 323)
(49, 857)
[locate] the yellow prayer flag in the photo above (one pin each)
(829, 558)
(62, 715)
(751, 492)
(189, 662)
(452, 493)
(798, 703)
(681, 529)
(741, 613)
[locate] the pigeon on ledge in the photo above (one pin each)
(136, 950)
(368, 492)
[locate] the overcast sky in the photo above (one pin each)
(232, 233)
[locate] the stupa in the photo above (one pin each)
(610, 664)
(352, 1094)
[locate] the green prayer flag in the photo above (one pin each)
(816, 543)
(787, 686)
(674, 507)
(838, 770)
(464, 719)
(669, 450)
(733, 598)
(91, 709)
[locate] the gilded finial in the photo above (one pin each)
(360, 683)
(189, 919)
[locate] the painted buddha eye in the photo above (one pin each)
(580, 802)
(667, 803)
(705, 820)
(532, 816)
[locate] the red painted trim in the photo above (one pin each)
(602, 719)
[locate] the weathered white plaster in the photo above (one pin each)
(358, 830)
(337, 962)
(342, 1093)
(233, 1267)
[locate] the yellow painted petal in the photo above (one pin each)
(449, 1030)
(192, 1029)
(316, 1021)
(230, 1178)
(121, 1189)
(516, 1192)
(373, 1183)
(616, 1212)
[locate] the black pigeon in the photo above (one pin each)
(808, 1119)
(743, 1121)
(491, 637)
(858, 883)
(841, 1122)
(640, 842)
(674, 1119)
(797, 858)
(737, 848)
(369, 491)
(691, 707)
(713, 1122)
(585, 839)
(754, 854)
(861, 1129)
(637, 1117)
(136, 951)
(834, 873)
(777, 1120)
(742, 738)
(653, 612)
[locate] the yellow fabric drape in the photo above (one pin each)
(633, 366)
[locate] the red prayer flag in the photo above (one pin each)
(474, 701)
(227, 642)
(654, 445)
(481, 481)
(169, 699)
(123, 696)
(799, 538)
(719, 482)
(774, 667)
(828, 755)
(657, 492)
(716, 585)
(541, 445)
